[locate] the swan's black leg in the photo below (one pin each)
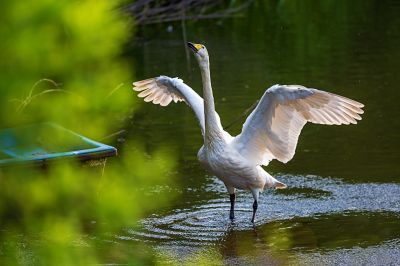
(256, 194)
(255, 205)
(232, 197)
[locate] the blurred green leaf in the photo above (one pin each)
(61, 61)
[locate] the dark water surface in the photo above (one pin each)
(343, 201)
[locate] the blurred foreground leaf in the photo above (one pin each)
(61, 62)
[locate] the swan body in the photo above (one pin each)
(270, 132)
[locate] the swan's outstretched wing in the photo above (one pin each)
(271, 131)
(163, 90)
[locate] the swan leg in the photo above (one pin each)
(232, 211)
(232, 197)
(256, 193)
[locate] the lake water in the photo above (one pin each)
(342, 205)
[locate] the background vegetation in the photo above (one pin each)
(61, 62)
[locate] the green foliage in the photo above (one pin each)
(72, 44)
(61, 62)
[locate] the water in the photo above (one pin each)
(314, 214)
(307, 196)
(342, 205)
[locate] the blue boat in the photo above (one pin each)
(45, 142)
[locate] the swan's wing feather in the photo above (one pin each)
(163, 90)
(272, 130)
(160, 90)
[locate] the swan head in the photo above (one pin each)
(200, 52)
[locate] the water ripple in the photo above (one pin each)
(207, 222)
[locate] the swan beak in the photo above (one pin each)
(194, 46)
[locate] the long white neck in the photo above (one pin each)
(213, 128)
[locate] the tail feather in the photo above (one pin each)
(279, 185)
(272, 182)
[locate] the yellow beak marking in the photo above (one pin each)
(198, 46)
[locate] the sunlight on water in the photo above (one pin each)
(315, 212)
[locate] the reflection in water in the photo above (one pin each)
(313, 214)
(325, 232)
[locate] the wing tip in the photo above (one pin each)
(153, 90)
(143, 82)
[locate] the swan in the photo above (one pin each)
(270, 132)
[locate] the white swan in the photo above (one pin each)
(270, 132)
